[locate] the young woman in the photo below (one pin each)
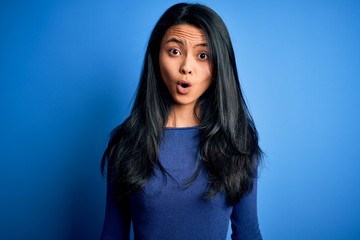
(185, 161)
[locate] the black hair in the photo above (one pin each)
(228, 138)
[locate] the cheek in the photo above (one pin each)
(165, 69)
(168, 72)
(205, 70)
(207, 75)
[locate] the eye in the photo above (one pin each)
(203, 56)
(174, 52)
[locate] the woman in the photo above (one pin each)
(185, 161)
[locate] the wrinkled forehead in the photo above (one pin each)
(185, 32)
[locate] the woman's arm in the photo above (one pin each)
(117, 217)
(244, 220)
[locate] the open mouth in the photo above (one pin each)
(185, 85)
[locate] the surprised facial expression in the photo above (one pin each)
(185, 66)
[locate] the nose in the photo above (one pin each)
(186, 68)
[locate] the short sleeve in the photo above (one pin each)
(117, 217)
(244, 219)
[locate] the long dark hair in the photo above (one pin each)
(228, 137)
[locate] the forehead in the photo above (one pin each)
(185, 32)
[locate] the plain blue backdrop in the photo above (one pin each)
(69, 69)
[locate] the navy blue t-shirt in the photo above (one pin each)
(165, 209)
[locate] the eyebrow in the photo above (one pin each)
(175, 40)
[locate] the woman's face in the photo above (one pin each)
(185, 66)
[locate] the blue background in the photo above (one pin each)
(69, 69)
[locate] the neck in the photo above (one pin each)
(182, 116)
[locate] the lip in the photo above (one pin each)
(183, 87)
